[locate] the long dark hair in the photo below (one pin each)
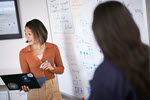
(119, 38)
(38, 29)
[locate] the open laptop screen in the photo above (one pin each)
(15, 81)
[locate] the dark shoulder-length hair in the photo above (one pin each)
(38, 29)
(119, 38)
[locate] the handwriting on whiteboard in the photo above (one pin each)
(60, 16)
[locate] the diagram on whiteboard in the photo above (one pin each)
(60, 14)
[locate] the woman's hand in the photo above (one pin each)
(25, 88)
(47, 66)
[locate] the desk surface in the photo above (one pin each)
(65, 96)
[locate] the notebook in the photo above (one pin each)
(15, 81)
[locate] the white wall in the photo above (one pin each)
(9, 49)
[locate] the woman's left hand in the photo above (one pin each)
(47, 66)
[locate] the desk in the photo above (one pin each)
(5, 94)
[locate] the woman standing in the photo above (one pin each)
(34, 55)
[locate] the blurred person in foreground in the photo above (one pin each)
(124, 73)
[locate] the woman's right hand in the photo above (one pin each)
(25, 88)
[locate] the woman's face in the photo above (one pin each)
(29, 36)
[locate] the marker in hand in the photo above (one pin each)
(44, 62)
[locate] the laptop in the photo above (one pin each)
(15, 81)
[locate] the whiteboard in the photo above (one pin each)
(70, 22)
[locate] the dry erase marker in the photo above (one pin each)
(44, 62)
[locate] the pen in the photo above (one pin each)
(44, 62)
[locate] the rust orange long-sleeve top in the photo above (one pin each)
(30, 63)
